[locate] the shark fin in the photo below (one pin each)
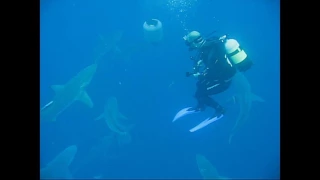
(57, 88)
(85, 98)
(121, 116)
(99, 117)
(256, 98)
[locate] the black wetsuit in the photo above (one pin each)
(217, 76)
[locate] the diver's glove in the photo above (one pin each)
(223, 38)
(188, 74)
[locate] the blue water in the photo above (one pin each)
(151, 87)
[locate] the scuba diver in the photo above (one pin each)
(216, 62)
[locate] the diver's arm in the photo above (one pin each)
(215, 40)
(196, 71)
(223, 38)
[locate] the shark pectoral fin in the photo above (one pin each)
(99, 117)
(122, 116)
(85, 98)
(256, 98)
(57, 88)
(112, 126)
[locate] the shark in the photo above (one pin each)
(65, 95)
(113, 41)
(207, 170)
(111, 45)
(58, 168)
(244, 98)
(112, 115)
(128, 50)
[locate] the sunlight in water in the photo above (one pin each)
(180, 9)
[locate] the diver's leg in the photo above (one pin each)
(200, 96)
(211, 102)
(215, 105)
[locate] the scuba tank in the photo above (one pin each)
(237, 55)
(234, 52)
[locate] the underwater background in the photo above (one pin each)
(149, 85)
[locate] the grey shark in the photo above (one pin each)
(58, 168)
(118, 51)
(244, 97)
(112, 116)
(66, 94)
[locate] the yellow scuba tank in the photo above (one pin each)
(237, 55)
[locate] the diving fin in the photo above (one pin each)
(183, 112)
(205, 123)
